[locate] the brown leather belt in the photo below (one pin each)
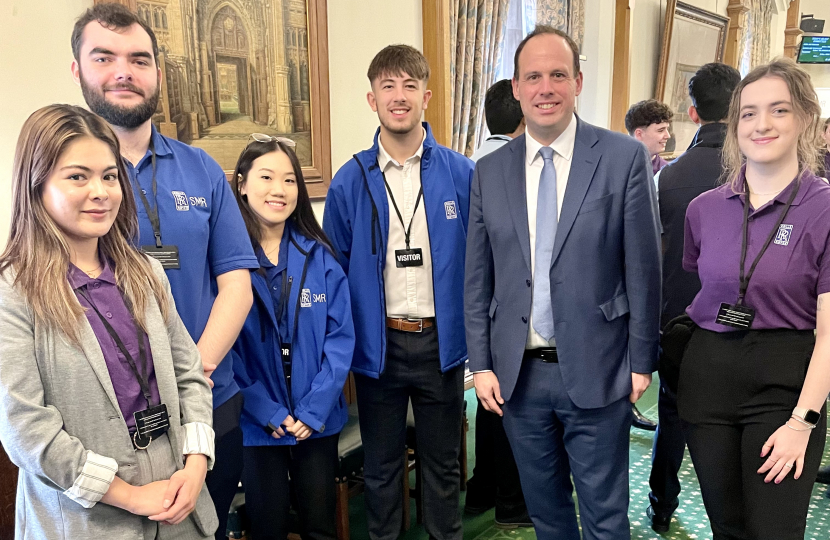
(409, 325)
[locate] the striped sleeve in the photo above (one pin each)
(198, 439)
(94, 481)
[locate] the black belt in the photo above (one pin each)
(545, 354)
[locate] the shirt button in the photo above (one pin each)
(144, 191)
(524, 320)
(96, 285)
(109, 315)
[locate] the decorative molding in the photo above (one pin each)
(736, 11)
(792, 33)
(436, 35)
(620, 80)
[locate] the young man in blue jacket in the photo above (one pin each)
(397, 217)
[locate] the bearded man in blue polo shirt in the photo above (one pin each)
(188, 217)
(396, 215)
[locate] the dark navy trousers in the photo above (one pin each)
(666, 454)
(551, 439)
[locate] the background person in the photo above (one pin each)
(396, 215)
(565, 203)
(293, 354)
(698, 170)
(753, 381)
(91, 346)
(187, 215)
(649, 122)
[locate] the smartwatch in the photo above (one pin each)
(808, 415)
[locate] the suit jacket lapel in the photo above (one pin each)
(92, 351)
(583, 165)
(516, 187)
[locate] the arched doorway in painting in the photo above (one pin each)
(230, 48)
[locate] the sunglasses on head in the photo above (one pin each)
(263, 138)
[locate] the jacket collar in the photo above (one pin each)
(709, 136)
(369, 157)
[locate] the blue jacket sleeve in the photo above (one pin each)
(478, 284)
(338, 225)
(338, 347)
(641, 242)
(258, 404)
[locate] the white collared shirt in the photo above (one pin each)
(563, 149)
(409, 290)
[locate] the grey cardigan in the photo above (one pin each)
(57, 404)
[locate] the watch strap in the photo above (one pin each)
(808, 415)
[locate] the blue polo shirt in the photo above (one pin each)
(198, 213)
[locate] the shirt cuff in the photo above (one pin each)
(94, 481)
(199, 439)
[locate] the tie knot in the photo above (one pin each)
(547, 153)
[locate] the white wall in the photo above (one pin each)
(34, 38)
(598, 46)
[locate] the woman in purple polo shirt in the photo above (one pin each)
(103, 404)
(754, 377)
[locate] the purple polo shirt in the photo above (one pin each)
(107, 297)
(657, 163)
(791, 274)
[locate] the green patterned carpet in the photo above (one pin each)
(690, 521)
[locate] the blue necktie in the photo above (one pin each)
(546, 222)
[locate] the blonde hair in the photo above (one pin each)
(37, 250)
(807, 110)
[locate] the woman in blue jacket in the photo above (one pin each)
(295, 349)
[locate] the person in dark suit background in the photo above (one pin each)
(698, 170)
(562, 297)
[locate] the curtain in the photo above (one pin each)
(478, 42)
(566, 15)
(755, 42)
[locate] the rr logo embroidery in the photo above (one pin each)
(783, 236)
(180, 197)
(449, 208)
(305, 298)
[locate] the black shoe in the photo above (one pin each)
(478, 502)
(823, 476)
(660, 523)
(522, 520)
(641, 422)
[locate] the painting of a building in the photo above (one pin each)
(232, 68)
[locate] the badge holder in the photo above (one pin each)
(409, 257)
(167, 255)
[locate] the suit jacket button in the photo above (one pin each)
(524, 320)
(528, 282)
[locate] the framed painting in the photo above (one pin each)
(691, 37)
(231, 68)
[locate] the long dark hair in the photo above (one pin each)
(302, 218)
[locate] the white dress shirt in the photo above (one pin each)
(563, 149)
(409, 292)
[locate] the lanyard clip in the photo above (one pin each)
(158, 239)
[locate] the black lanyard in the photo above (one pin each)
(152, 213)
(744, 279)
(406, 230)
(142, 381)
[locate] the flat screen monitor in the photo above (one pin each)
(814, 50)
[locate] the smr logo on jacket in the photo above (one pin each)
(306, 298)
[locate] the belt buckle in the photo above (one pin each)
(420, 324)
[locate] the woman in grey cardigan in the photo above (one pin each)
(103, 404)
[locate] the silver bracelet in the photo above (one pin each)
(802, 422)
(794, 429)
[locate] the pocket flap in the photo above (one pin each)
(616, 307)
(493, 305)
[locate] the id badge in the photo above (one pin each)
(285, 351)
(405, 258)
(150, 424)
(736, 316)
(168, 256)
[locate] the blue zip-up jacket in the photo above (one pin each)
(356, 220)
(318, 300)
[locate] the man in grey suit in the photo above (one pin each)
(562, 295)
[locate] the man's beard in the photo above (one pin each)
(115, 115)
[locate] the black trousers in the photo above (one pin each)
(495, 476)
(412, 373)
(311, 466)
(735, 390)
(223, 480)
(666, 454)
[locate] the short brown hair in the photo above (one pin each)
(542, 29)
(399, 60)
(112, 17)
(644, 113)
